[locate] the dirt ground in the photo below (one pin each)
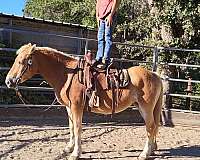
(20, 141)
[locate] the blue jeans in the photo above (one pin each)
(104, 41)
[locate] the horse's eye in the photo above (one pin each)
(29, 62)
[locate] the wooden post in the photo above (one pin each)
(166, 114)
(189, 92)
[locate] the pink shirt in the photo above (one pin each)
(104, 8)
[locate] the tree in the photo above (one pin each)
(76, 11)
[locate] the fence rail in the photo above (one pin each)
(27, 105)
(181, 65)
(31, 88)
(4, 68)
(8, 49)
(182, 95)
(183, 80)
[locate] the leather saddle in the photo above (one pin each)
(96, 79)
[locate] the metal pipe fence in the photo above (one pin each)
(31, 88)
(183, 80)
(181, 65)
(155, 59)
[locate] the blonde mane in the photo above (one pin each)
(55, 53)
(67, 59)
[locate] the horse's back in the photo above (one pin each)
(138, 74)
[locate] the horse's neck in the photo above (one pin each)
(52, 71)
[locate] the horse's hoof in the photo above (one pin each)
(73, 158)
(142, 157)
(68, 149)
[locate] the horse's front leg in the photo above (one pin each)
(70, 145)
(77, 114)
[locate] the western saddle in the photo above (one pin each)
(96, 79)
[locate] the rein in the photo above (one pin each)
(18, 93)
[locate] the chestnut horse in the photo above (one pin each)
(60, 71)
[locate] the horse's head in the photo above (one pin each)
(24, 67)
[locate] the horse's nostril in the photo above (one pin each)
(9, 82)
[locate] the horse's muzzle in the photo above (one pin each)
(11, 82)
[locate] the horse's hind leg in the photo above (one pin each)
(70, 145)
(150, 128)
(152, 121)
(157, 115)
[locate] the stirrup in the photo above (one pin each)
(109, 65)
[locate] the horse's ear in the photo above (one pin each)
(33, 48)
(29, 44)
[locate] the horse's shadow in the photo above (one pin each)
(179, 152)
(182, 151)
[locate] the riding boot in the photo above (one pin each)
(104, 65)
(95, 63)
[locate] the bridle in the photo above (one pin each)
(19, 77)
(27, 66)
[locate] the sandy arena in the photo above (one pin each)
(27, 141)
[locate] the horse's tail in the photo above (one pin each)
(158, 107)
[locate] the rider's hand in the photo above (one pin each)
(109, 20)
